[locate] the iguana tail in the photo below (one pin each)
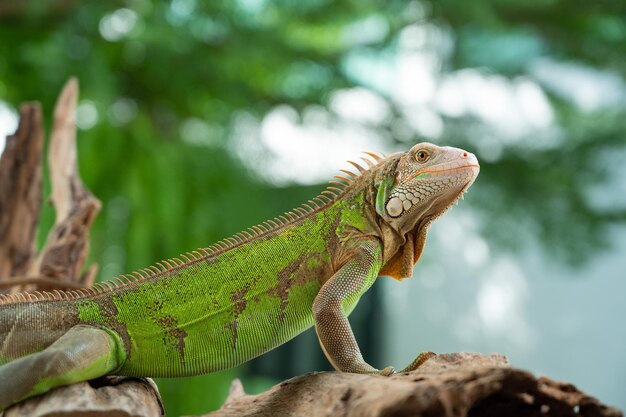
(42, 346)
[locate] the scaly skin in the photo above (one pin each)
(224, 305)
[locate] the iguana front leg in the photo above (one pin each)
(335, 301)
(83, 353)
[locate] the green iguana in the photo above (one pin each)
(218, 307)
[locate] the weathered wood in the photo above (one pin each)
(111, 397)
(42, 283)
(452, 385)
(20, 193)
(67, 247)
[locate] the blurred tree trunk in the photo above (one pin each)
(60, 262)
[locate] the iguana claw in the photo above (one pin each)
(390, 370)
(419, 361)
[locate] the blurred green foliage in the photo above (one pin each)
(150, 70)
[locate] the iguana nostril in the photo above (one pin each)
(464, 155)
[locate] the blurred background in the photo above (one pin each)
(198, 119)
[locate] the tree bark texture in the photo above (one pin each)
(105, 397)
(20, 193)
(449, 385)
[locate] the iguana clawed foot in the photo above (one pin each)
(417, 362)
(390, 370)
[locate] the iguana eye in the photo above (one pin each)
(422, 155)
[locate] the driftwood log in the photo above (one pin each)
(449, 385)
(60, 262)
(105, 397)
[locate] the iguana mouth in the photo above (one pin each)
(438, 171)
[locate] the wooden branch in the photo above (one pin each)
(42, 283)
(451, 385)
(67, 247)
(20, 193)
(110, 396)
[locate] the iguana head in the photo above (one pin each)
(426, 181)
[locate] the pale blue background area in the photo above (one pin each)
(565, 323)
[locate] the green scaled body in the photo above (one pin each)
(212, 313)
